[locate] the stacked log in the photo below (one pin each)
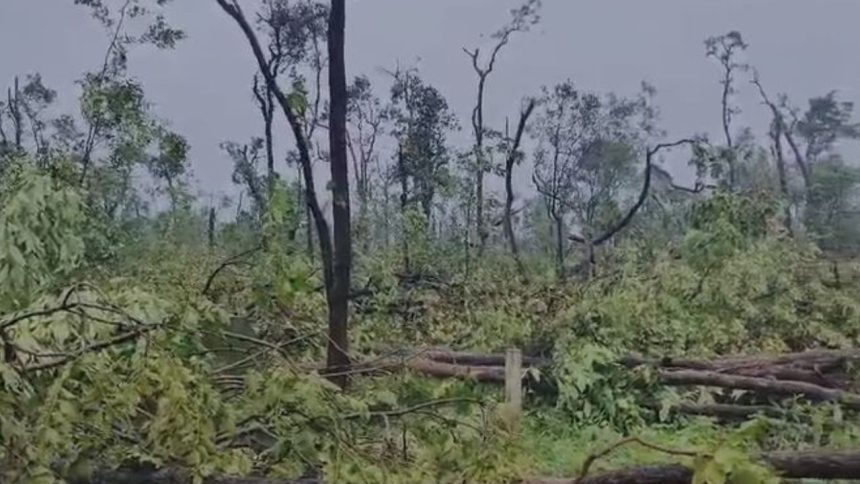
(817, 376)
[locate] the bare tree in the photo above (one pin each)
(366, 116)
(266, 104)
(338, 348)
(514, 155)
(725, 49)
(778, 130)
(523, 18)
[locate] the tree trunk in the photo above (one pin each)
(338, 293)
(512, 157)
(776, 137)
(404, 202)
(559, 246)
(819, 464)
(760, 385)
(211, 229)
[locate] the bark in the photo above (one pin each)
(338, 293)
(512, 158)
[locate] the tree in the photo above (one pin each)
(170, 163)
(294, 106)
(338, 346)
(246, 158)
(366, 117)
(25, 106)
(725, 49)
(513, 156)
(422, 121)
(832, 214)
(585, 159)
(777, 131)
(523, 18)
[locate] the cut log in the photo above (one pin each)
(478, 359)
(174, 476)
(729, 412)
(761, 385)
(664, 474)
(820, 464)
(428, 367)
(823, 368)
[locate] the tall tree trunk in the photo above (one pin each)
(559, 246)
(513, 155)
(14, 106)
(266, 103)
(776, 137)
(338, 294)
(404, 202)
(211, 228)
(727, 120)
(270, 151)
(479, 205)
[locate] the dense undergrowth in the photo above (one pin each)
(146, 358)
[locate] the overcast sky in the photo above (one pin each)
(801, 47)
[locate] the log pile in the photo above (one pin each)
(816, 376)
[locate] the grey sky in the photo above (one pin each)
(801, 47)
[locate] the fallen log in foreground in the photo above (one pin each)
(175, 476)
(819, 464)
(727, 411)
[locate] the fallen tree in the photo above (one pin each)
(827, 368)
(818, 464)
(760, 385)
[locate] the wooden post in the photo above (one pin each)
(514, 382)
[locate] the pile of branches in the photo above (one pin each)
(815, 376)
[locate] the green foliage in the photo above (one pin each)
(41, 236)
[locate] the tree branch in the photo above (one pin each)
(643, 195)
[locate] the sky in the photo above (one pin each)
(803, 48)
